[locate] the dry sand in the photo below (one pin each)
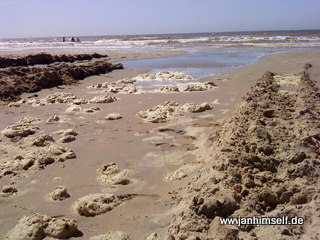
(143, 178)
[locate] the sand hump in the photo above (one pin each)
(68, 135)
(168, 89)
(111, 174)
(164, 76)
(55, 98)
(191, 87)
(170, 111)
(23, 128)
(161, 113)
(38, 227)
(121, 86)
(103, 99)
(59, 193)
(112, 235)
(92, 109)
(113, 116)
(32, 153)
(8, 190)
(98, 203)
(263, 165)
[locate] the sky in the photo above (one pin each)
(50, 18)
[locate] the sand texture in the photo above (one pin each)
(107, 158)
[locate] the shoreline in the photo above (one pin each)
(152, 150)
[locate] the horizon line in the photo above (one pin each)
(146, 34)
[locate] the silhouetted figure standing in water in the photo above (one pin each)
(63, 39)
(78, 39)
(72, 39)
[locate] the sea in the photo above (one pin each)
(204, 53)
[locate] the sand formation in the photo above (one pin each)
(189, 87)
(263, 164)
(98, 203)
(45, 58)
(111, 174)
(59, 193)
(16, 78)
(121, 86)
(38, 227)
(21, 152)
(170, 111)
(164, 76)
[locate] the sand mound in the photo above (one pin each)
(31, 153)
(168, 89)
(121, 86)
(68, 135)
(103, 99)
(161, 113)
(38, 227)
(59, 193)
(164, 76)
(8, 190)
(23, 128)
(170, 110)
(113, 116)
(98, 203)
(92, 109)
(194, 108)
(191, 87)
(262, 165)
(112, 235)
(111, 174)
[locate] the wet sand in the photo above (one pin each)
(149, 151)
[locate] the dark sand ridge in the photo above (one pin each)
(122, 142)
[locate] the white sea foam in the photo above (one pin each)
(278, 39)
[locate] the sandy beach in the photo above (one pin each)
(164, 164)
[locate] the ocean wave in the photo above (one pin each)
(171, 41)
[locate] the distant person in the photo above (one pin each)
(78, 39)
(63, 39)
(72, 39)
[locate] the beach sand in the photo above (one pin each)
(158, 167)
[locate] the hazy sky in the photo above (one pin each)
(40, 18)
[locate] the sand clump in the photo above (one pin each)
(189, 87)
(98, 203)
(54, 98)
(113, 116)
(57, 119)
(123, 86)
(103, 99)
(111, 174)
(263, 164)
(112, 235)
(59, 193)
(23, 128)
(38, 227)
(8, 191)
(164, 76)
(31, 153)
(170, 111)
(168, 89)
(68, 135)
